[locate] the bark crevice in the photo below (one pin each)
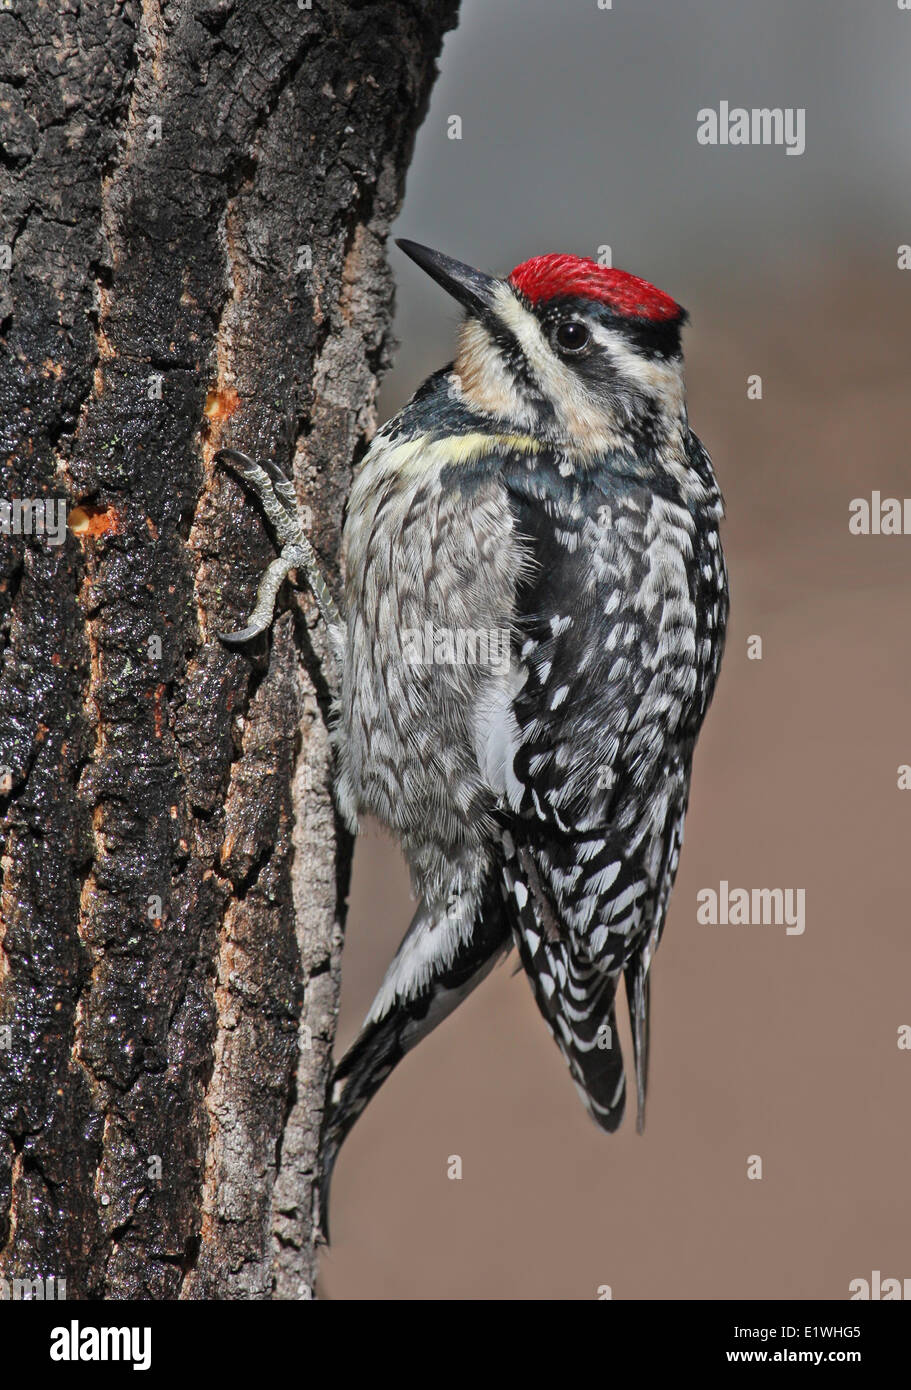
(197, 198)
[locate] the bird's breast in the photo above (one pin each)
(431, 564)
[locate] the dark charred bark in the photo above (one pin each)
(195, 198)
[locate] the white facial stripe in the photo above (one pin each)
(484, 378)
(582, 417)
(555, 380)
(663, 380)
(587, 419)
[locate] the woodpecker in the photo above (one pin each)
(535, 601)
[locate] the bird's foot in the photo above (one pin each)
(276, 493)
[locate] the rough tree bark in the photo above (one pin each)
(195, 199)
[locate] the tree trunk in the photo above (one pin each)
(195, 199)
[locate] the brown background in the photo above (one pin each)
(766, 1044)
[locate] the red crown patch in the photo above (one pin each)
(555, 276)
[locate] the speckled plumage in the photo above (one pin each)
(535, 606)
(614, 596)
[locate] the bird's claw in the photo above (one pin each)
(276, 493)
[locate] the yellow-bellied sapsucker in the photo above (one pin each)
(535, 607)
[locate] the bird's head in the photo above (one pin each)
(565, 347)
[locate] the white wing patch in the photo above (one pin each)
(496, 735)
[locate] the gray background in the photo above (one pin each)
(579, 129)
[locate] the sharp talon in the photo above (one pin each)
(235, 639)
(245, 465)
(233, 456)
(275, 471)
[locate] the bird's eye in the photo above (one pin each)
(571, 335)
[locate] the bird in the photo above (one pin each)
(535, 604)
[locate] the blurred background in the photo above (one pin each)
(579, 131)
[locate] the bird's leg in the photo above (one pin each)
(276, 494)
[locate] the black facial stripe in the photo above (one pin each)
(659, 339)
(510, 350)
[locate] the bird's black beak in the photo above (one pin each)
(474, 290)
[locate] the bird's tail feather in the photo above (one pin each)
(363, 1069)
(637, 999)
(401, 1017)
(576, 998)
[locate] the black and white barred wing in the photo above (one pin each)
(575, 990)
(598, 779)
